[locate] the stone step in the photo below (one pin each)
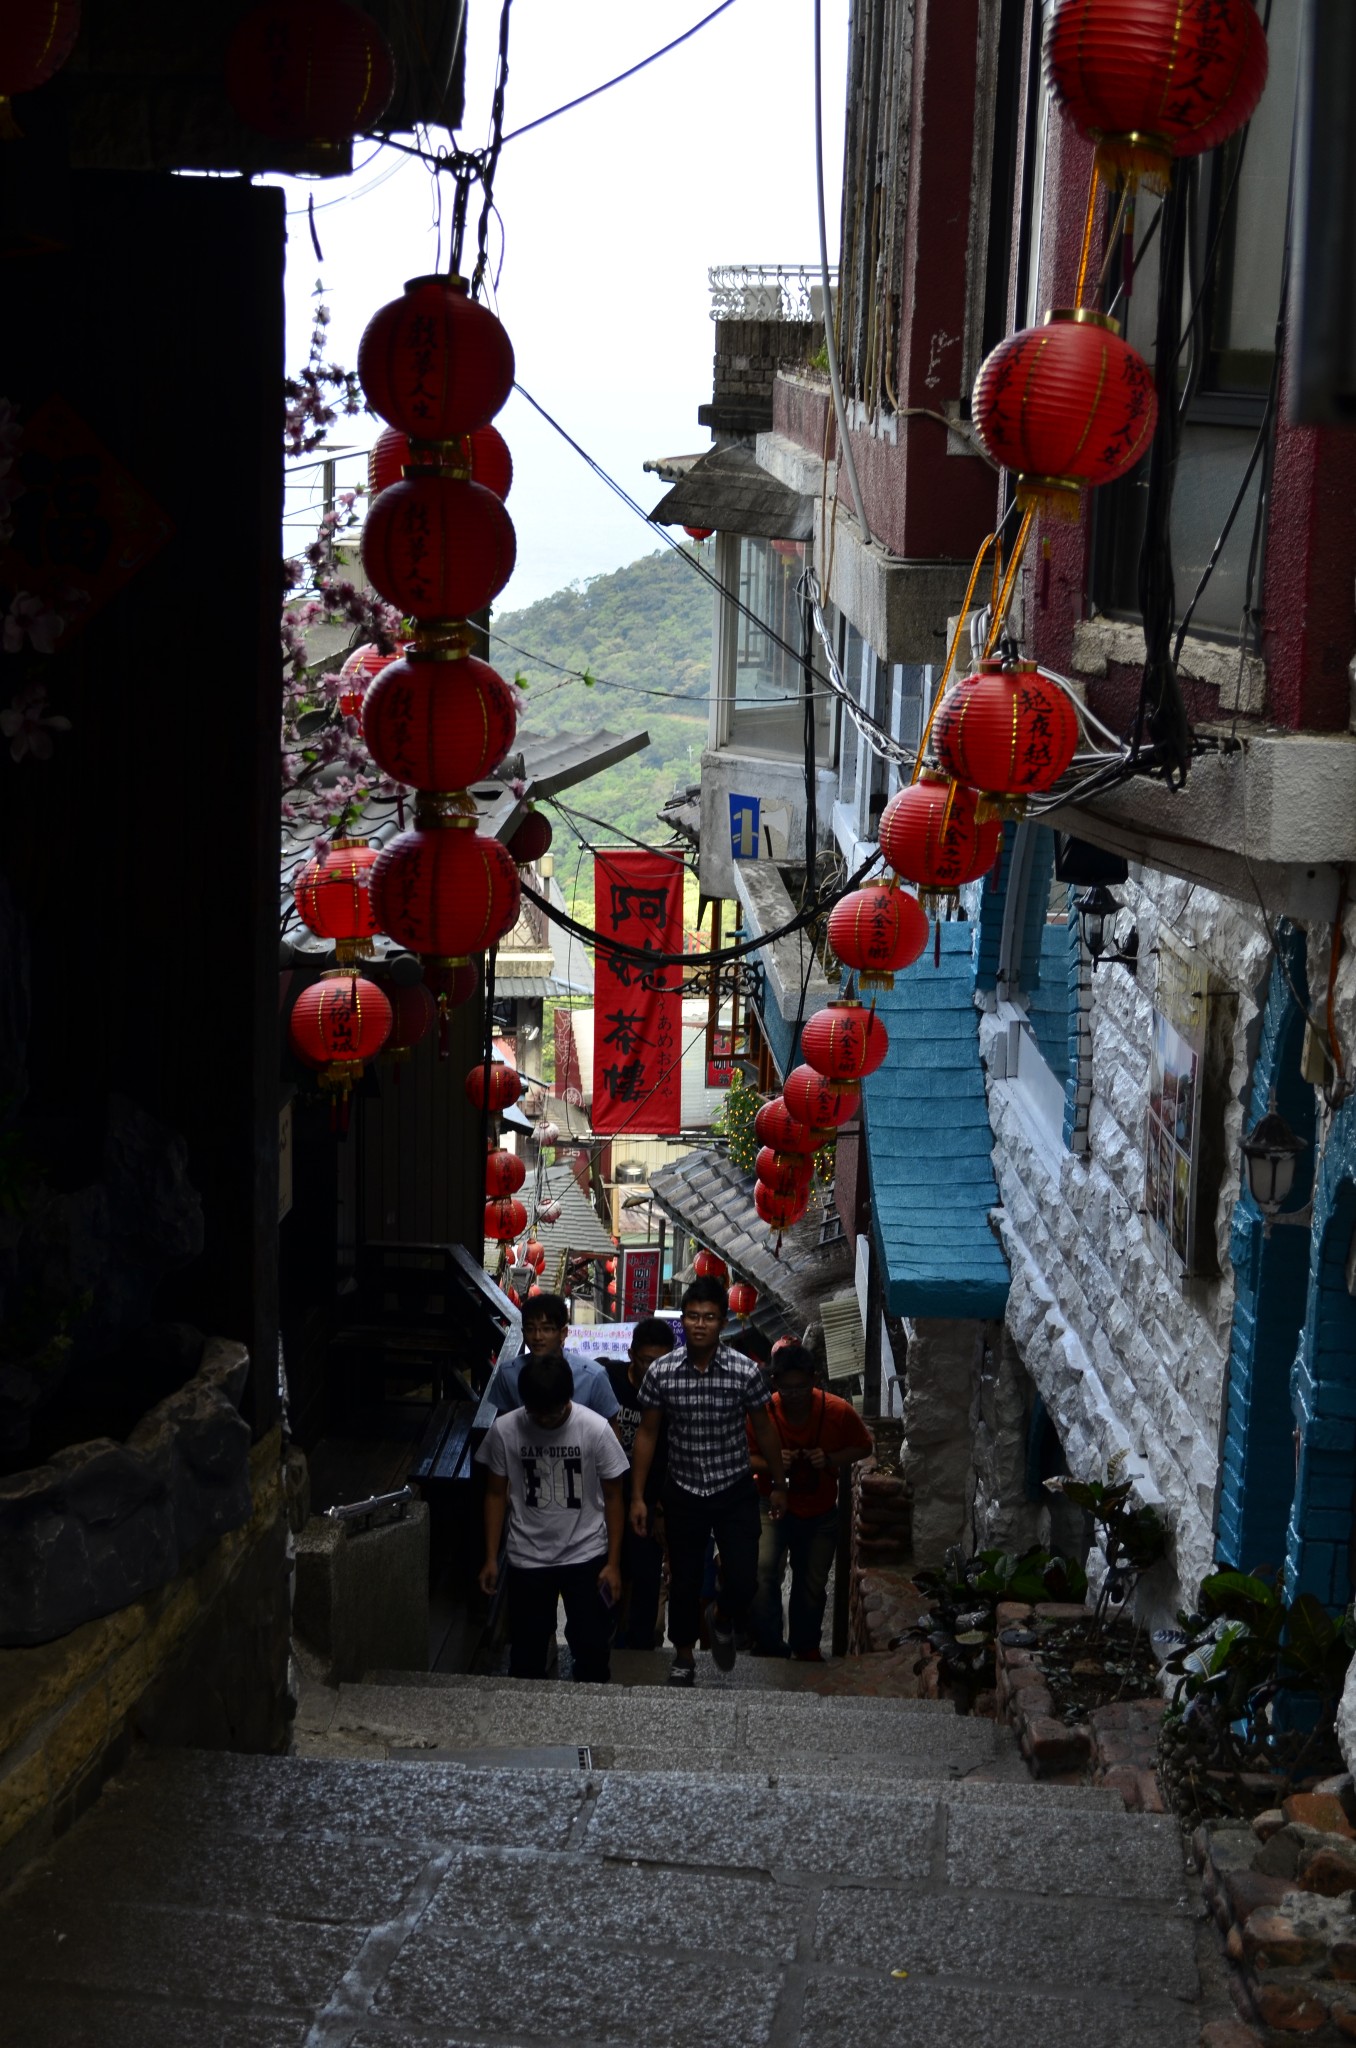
(640, 1728)
(644, 1671)
(264, 1902)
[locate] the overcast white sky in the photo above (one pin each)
(611, 216)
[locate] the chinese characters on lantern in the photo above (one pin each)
(637, 1054)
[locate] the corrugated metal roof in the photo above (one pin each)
(528, 986)
(707, 1196)
(929, 1144)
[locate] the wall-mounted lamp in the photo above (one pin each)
(1271, 1152)
(1097, 911)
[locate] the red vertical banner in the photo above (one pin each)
(640, 1283)
(638, 1010)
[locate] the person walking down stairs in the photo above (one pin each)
(706, 1393)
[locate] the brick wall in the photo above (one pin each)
(749, 354)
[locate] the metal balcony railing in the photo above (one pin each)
(767, 291)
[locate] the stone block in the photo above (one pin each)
(1292, 2007)
(1052, 1746)
(1329, 1872)
(1274, 1940)
(1323, 1810)
(361, 1600)
(1228, 2034)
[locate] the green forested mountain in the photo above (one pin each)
(643, 634)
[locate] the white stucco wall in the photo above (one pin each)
(1125, 1357)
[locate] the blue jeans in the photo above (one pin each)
(810, 1541)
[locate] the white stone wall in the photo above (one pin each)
(1126, 1358)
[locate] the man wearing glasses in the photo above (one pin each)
(705, 1393)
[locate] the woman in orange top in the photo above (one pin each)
(820, 1434)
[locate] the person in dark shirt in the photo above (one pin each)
(642, 1564)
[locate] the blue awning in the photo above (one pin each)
(929, 1145)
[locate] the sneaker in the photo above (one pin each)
(808, 1656)
(722, 1641)
(683, 1675)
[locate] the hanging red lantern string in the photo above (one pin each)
(1006, 731)
(333, 899)
(450, 984)
(309, 71)
(439, 719)
(483, 456)
(878, 931)
(535, 1255)
(779, 1211)
(357, 672)
(707, 1266)
(505, 1219)
(36, 38)
(775, 1127)
(505, 1172)
(743, 1300)
(786, 1173)
(434, 363)
(337, 1024)
(932, 835)
(1150, 80)
(530, 838)
(438, 547)
(444, 890)
(844, 1042)
(1064, 405)
(413, 1010)
(821, 1103)
(506, 1086)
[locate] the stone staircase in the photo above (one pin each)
(459, 1862)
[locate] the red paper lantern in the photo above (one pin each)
(1064, 405)
(439, 720)
(336, 1024)
(548, 1212)
(819, 1102)
(412, 1013)
(530, 839)
(364, 663)
(445, 890)
(775, 1127)
(1006, 731)
(879, 931)
(789, 550)
(780, 1211)
(434, 363)
(931, 835)
(36, 38)
(506, 1085)
(788, 1173)
(438, 548)
(505, 1219)
(844, 1042)
(332, 898)
(1148, 80)
(484, 455)
(707, 1266)
(699, 532)
(451, 983)
(743, 1299)
(535, 1255)
(505, 1172)
(309, 71)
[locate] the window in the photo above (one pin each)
(1240, 299)
(760, 678)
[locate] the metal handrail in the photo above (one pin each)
(767, 291)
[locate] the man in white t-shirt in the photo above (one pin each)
(554, 1471)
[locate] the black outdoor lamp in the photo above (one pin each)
(1272, 1152)
(1097, 907)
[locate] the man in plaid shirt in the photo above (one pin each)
(705, 1393)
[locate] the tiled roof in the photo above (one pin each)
(706, 1195)
(929, 1144)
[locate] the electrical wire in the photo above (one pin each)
(741, 951)
(621, 76)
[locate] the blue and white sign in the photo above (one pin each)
(744, 834)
